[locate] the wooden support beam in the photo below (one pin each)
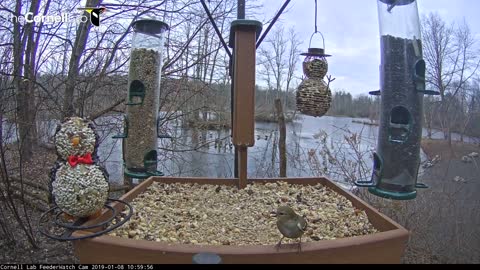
(244, 89)
(243, 36)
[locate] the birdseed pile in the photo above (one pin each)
(145, 65)
(402, 106)
(221, 215)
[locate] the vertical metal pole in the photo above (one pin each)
(232, 104)
(241, 9)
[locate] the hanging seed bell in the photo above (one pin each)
(313, 97)
(313, 94)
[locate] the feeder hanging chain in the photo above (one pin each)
(316, 27)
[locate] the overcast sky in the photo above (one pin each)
(351, 33)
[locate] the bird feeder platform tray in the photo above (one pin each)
(385, 246)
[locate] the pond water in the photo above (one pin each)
(311, 144)
(334, 147)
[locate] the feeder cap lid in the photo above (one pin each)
(149, 26)
(397, 2)
(316, 52)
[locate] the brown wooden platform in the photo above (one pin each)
(387, 246)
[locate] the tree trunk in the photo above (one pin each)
(30, 76)
(73, 69)
(449, 134)
(282, 140)
(24, 86)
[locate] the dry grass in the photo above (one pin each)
(440, 147)
(444, 220)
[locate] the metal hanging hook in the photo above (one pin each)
(311, 37)
(316, 28)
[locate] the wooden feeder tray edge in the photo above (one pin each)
(387, 246)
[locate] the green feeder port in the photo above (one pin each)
(140, 174)
(385, 190)
(419, 78)
(400, 125)
(149, 169)
(136, 93)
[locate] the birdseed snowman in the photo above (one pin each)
(79, 186)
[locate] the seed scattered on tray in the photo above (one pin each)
(221, 215)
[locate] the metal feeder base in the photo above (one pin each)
(69, 228)
(141, 174)
(393, 195)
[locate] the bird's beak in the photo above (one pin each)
(75, 141)
(273, 214)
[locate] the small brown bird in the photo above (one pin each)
(290, 225)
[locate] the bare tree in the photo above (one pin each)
(293, 59)
(278, 59)
(450, 55)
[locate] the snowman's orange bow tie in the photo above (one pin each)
(85, 159)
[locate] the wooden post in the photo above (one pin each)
(243, 36)
(282, 148)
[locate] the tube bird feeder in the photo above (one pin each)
(402, 79)
(140, 142)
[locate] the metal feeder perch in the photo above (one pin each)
(125, 129)
(402, 75)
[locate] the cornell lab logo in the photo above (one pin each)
(94, 14)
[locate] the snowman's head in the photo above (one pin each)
(75, 137)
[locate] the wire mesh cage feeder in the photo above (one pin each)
(313, 95)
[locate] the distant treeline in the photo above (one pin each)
(343, 103)
(362, 106)
(464, 116)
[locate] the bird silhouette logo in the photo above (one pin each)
(95, 14)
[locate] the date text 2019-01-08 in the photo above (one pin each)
(76, 266)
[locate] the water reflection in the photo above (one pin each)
(334, 147)
(313, 144)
